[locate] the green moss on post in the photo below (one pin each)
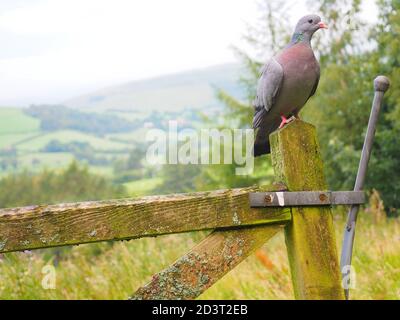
(310, 236)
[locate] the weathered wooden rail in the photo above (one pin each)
(238, 229)
(46, 226)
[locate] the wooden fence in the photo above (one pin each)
(238, 230)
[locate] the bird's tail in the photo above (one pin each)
(261, 143)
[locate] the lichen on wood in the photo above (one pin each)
(211, 259)
(206, 263)
(310, 235)
(45, 226)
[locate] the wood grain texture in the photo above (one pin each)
(310, 237)
(68, 224)
(206, 263)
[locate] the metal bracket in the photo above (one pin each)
(305, 198)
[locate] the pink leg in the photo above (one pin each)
(284, 121)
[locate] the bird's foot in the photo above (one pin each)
(286, 121)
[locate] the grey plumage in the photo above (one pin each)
(286, 82)
(268, 87)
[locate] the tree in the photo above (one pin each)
(385, 160)
(75, 183)
(352, 53)
(179, 178)
(266, 37)
(342, 118)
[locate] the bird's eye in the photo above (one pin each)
(310, 21)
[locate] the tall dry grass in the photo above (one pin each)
(116, 270)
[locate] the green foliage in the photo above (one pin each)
(352, 53)
(82, 151)
(342, 118)
(132, 168)
(266, 37)
(160, 119)
(385, 164)
(384, 171)
(8, 159)
(180, 178)
(347, 32)
(142, 187)
(60, 117)
(75, 183)
(66, 136)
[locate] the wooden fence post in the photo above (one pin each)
(310, 237)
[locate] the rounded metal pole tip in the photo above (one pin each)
(381, 83)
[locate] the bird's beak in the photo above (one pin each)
(322, 25)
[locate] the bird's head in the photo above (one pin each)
(308, 25)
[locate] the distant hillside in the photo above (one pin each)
(193, 89)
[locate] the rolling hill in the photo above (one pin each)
(26, 134)
(192, 89)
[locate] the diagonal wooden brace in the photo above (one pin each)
(206, 263)
(212, 258)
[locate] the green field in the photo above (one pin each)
(13, 120)
(39, 160)
(16, 127)
(21, 132)
(138, 135)
(142, 187)
(106, 171)
(9, 140)
(65, 136)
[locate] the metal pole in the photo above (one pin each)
(381, 85)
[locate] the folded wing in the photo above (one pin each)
(268, 89)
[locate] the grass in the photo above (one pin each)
(142, 187)
(137, 135)
(38, 160)
(22, 132)
(13, 139)
(105, 171)
(13, 120)
(116, 270)
(65, 136)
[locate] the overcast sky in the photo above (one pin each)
(53, 50)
